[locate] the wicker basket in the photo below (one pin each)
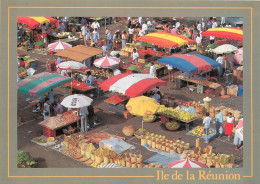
(149, 120)
(172, 128)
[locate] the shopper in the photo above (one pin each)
(229, 125)
(46, 109)
(123, 39)
(153, 70)
(130, 34)
(219, 123)
(84, 120)
(58, 110)
(199, 43)
(238, 139)
(84, 33)
(135, 56)
(206, 123)
(170, 72)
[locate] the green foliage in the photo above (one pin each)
(24, 160)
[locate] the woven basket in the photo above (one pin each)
(128, 130)
(172, 128)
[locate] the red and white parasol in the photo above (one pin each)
(131, 85)
(239, 56)
(106, 62)
(59, 46)
(71, 65)
(186, 163)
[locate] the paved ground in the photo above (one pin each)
(48, 158)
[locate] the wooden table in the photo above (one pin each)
(212, 85)
(166, 118)
(52, 124)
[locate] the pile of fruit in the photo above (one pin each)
(141, 132)
(135, 68)
(156, 65)
(24, 160)
(176, 113)
(199, 131)
(116, 99)
(63, 34)
(42, 140)
(149, 118)
(172, 125)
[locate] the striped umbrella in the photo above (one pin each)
(131, 85)
(34, 22)
(225, 32)
(186, 163)
(59, 45)
(106, 62)
(42, 83)
(71, 65)
(163, 39)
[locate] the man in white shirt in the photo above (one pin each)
(145, 28)
(153, 70)
(140, 20)
(135, 56)
(84, 32)
(198, 41)
(177, 25)
(214, 24)
(95, 25)
(199, 26)
(206, 123)
(220, 61)
(223, 20)
(84, 113)
(141, 32)
(130, 34)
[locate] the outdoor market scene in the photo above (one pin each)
(130, 92)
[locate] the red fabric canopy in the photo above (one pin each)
(33, 23)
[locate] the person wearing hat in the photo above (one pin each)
(219, 122)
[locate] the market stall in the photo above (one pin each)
(127, 84)
(167, 40)
(80, 52)
(34, 22)
(42, 83)
(193, 64)
(225, 32)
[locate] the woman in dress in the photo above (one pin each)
(123, 39)
(88, 35)
(95, 36)
(229, 125)
(46, 109)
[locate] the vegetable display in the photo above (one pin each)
(116, 99)
(24, 160)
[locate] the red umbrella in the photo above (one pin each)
(106, 62)
(34, 22)
(131, 85)
(186, 163)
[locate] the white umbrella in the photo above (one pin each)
(76, 101)
(226, 48)
(71, 65)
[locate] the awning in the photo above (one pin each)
(225, 32)
(166, 39)
(34, 22)
(190, 63)
(42, 83)
(131, 85)
(80, 52)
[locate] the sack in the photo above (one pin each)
(221, 130)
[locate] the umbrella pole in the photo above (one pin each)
(142, 124)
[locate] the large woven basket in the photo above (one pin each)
(172, 128)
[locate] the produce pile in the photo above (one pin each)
(42, 140)
(199, 131)
(156, 65)
(63, 34)
(172, 125)
(141, 132)
(149, 117)
(210, 47)
(79, 85)
(24, 160)
(116, 99)
(102, 72)
(136, 68)
(176, 113)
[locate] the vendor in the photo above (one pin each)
(152, 70)
(59, 60)
(58, 110)
(46, 109)
(89, 80)
(135, 56)
(22, 63)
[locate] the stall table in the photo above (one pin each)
(116, 105)
(166, 118)
(52, 124)
(77, 86)
(212, 85)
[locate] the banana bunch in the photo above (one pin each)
(199, 131)
(176, 113)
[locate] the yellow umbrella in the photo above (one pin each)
(142, 106)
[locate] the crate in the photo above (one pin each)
(142, 60)
(48, 133)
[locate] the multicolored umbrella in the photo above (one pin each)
(131, 85)
(59, 45)
(226, 48)
(166, 39)
(186, 163)
(190, 63)
(225, 32)
(42, 83)
(106, 62)
(34, 22)
(71, 65)
(239, 56)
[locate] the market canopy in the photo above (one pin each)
(79, 52)
(190, 63)
(106, 62)
(131, 85)
(225, 32)
(42, 83)
(59, 45)
(166, 39)
(186, 163)
(34, 22)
